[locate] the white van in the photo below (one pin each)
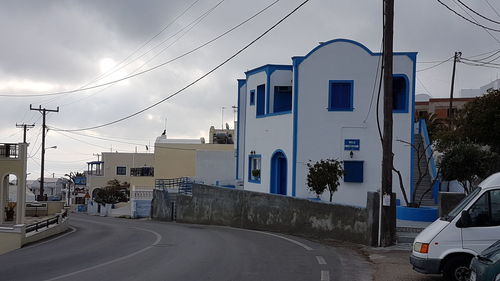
(448, 244)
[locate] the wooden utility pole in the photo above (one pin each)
(25, 128)
(456, 58)
(44, 112)
(388, 220)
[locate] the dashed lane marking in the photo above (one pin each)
(321, 260)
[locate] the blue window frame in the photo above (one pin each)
(340, 95)
(400, 93)
(252, 97)
(120, 170)
(254, 168)
(282, 99)
(261, 100)
(353, 171)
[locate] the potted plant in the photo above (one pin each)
(256, 173)
(9, 211)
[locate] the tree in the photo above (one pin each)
(113, 193)
(323, 175)
(481, 120)
(434, 123)
(468, 163)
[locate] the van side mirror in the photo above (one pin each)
(465, 219)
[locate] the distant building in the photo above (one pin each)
(440, 106)
(472, 93)
(221, 136)
(13, 166)
(52, 188)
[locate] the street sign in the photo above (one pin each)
(351, 144)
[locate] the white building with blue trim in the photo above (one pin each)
(323, 106)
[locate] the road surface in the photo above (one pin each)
(100, 248)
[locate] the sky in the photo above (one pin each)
(53, 46)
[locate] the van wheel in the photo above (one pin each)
(457, 269)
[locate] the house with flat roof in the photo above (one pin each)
(323, 105)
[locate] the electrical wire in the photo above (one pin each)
(195, 81)
(375, 82)
(149, 69)
(436, 65)
(486, 30)
(493, 8)
(475, 23)
(472, 10)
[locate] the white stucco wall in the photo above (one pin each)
(214, 167)
(265, 135)
(241, 130)
(321, 133)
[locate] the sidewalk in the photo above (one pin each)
(393, 264)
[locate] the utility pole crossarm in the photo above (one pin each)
(25, 127)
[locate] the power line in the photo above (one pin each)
(472, 10)
(149, 69)
(436, 65)
(192, 83)
(475, 23)
(486, 30)
(493, 8)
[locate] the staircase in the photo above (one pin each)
(427, 180)
(406, 234)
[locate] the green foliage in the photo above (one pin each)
(480, 120)
(323, 175)
(434, 124)
(113, 193)
(468, 163)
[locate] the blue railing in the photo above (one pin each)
(422, 130)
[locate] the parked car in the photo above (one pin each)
(448, 245)
(486, 266)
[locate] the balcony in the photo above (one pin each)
(142, 172)
(9, 150)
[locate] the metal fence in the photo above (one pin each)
(183, 185)
(46, 223)
(9, 150)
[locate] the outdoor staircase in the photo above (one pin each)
(406, 234)
(427, 180)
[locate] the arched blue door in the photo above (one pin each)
(278, 173)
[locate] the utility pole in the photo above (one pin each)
(456, 58)
(388, 219)
(44, 112)
(222, 119)
(98, 155)
(25, 128)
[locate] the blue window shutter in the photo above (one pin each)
(252, 97)
(399, 94)
(353, 171)
(261, 99)
(340, 95)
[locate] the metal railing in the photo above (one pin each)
(184, 185)
(9, 150)
(46, 223)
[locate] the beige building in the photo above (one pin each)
(209, 163)
(439, 106)
(134, 168)
(13, 159)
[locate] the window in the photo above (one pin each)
(120, 170)
(142, 172)
(261, 100)
(486, 210)
(254, 168)
(252, 97)
(353, 171)
(400, 93)
(282, 99)
(340, 95)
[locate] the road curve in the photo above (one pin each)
(120, 249)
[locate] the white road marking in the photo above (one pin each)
(50, 240)
(158, 239)
(325, 275)
(279, 236)
(321, 260)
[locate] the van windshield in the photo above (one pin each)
(453, 213)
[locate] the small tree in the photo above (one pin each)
(113, 193)
(324, 174)
(468, 163)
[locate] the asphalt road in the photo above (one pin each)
(119, 249)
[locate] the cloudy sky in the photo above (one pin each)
(53, 46)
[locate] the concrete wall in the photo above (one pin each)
(261, 211)
(11, 238)
(161, 205)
